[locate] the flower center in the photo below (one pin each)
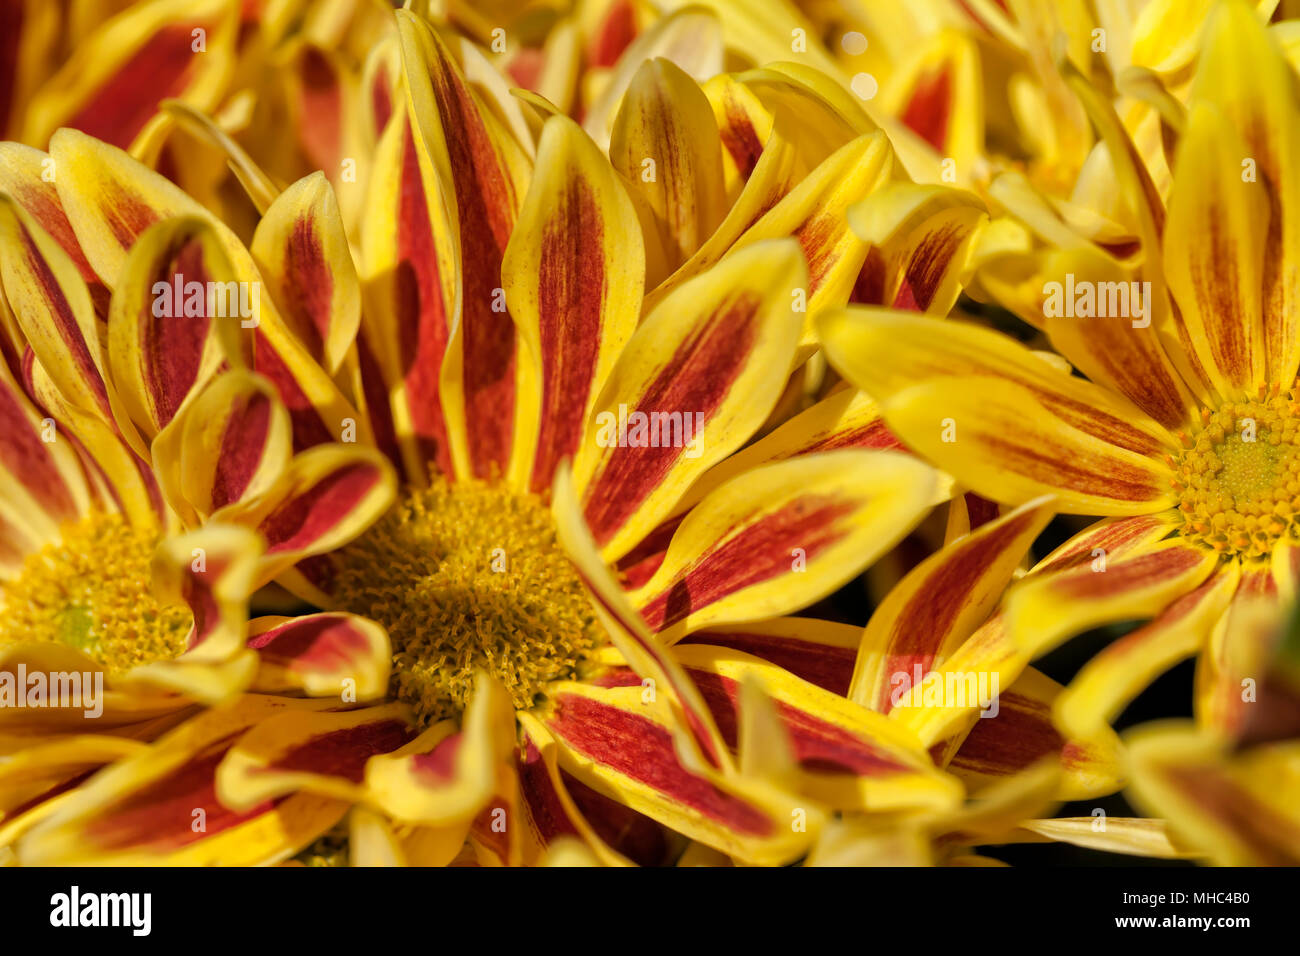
(1239, 477)
(467, 576)
(92, 590)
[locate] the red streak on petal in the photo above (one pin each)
(640, 564)
(928, 109)
(545, 809)
(308, 295)
(65, 321)
(320, 643)
(159, 69)
(160, 815)
(926, 267)
(818, 744)
(759, 552)
(173, 346)
(1019, 735)
(827, 666)
(637, 837)
(242, 446)
(421, 314)
(127, 214)
(24, 456)
(570, 288)
(486, 207)
(304, 519)
(642, 750)
(344, 752)
(615, 34)
(1142, 571)
(320, 109)
(308, 427)
(695, 380)
(438, 766)
(41, 201)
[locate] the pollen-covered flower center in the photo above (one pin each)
(92, 590)
(468, 576)
(1239, 477)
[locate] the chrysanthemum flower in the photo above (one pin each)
(92, 383)
(586, 623)
(1184, 436)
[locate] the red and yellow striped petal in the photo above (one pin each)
(210, 570)
(111, 199)
(711, 357)
(232, 443)
(1012, 449)
(1214, 253)
(938, 605)
(302, 252)
(168, 333)
(989, 651)
(52, 307)
(41, 482)
(1232, 672)
(551, 798)
(111, 86)
(819, 652)
(446, 776)
(665, 143)
(923, 237)
(938, 95)
(1114, 676)
(120, 478)
(306, 751)
(1260, 104)
(1111, 350)
(780, 537)
(321, 655)
(573, 275)
(814, 211)
(847, 756)
(614, 742)
(161, 806)
(627, 630)
(1046, 608)
(775, 174)
(408, 272)
(326, 497)
(847, 419)
(29, 176)
(32, 779)
(487, 173)
(1111, 538)
(1020, 733)
(744, 128)
(921, 349)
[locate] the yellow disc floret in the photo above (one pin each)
(1239, 478)
(468, 576)
(92, 591)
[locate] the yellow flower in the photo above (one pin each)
(1183, 435)
(583, 380)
